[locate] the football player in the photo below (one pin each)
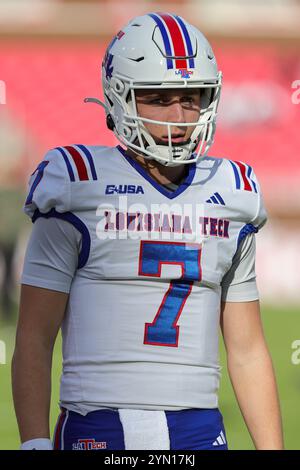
(139, 253)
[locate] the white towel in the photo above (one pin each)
(145, 429)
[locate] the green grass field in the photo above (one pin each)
(282, 327)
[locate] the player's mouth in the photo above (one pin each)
(175, 139)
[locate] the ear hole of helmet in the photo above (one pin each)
(126, 132)
(117, 85)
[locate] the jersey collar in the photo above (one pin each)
(169, 194)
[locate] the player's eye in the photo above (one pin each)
(166, 100)
(188, 99)
(156, 101)
(159, 100)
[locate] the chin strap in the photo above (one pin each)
(179, 154)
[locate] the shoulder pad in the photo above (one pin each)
(245, 182)
(49, 185)
(244, 178)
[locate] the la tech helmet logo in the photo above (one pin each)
(185, 73)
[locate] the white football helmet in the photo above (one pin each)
(160, 51)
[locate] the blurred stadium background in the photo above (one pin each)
(50, 56)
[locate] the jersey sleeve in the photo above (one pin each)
(248, 194)
(49, 186)
(239, 283)
(51, 257)
(260, 217)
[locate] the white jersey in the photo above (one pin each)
(146, 269)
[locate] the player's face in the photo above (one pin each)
(180, 106)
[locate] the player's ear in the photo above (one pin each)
(109, 122)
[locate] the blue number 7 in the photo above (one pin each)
(164, 331)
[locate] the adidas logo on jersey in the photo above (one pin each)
(216, 199)
(221, 440)
(124, 189)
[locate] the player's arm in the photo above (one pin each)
(40, 316)
(49, 266)
(251, 372)
(249, 363)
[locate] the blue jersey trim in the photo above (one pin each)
(248, 175)
(246, 230)
(237, 176)
(40, 169)
(169, 194)
(78, 224)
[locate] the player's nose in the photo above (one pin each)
(177, 112)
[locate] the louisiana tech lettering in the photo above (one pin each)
(155, 222)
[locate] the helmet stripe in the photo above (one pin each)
(177, 40)
(165, 37)
(187, 40)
